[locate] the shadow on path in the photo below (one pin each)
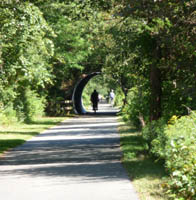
(81, 150)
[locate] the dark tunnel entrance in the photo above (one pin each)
(77, 94)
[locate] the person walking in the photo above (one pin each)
(95, 100)
(112, 96)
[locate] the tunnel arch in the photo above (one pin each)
(77, 93)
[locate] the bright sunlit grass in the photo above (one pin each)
(146, 174)
(16, 134)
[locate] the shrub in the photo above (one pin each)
(180, 157)
(33, 105)
(7, 114)
(136, 106)
(29, 105)
(175, 142)
(130, 115)
(153, 134)
(119, 97)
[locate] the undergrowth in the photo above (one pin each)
(145, 172)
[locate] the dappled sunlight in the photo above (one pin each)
(82, 172)
(79, 152)
(78, 143)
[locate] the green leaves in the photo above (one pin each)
(25, 50)
(71, 42)
(175, 144)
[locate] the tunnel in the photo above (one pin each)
(77, 93)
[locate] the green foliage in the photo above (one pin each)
(164, 41)
(29, 105)
(146, 175)
(119, 97)
(175, 96)
(154, 135)
(136, 107)
(33, 105)
(47, 45)
(25, 46)
(72, 44)
(7, 111)
(180, 157)
(121, 61)
(174, 142)
(26, 50)
(7, 115)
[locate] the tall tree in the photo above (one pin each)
(26, 50)
(165, 42)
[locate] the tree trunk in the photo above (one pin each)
(125, 91)
(156, 93)
(141, 118)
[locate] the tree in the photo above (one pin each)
(26, 50)
(164, 43)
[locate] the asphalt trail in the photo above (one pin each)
(76, 160)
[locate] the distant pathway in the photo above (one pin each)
(77, 160)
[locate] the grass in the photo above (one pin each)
(146, 174)
(16, 134)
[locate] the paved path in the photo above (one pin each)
(77, 160)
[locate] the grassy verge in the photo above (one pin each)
(16, 134)
(146, 174)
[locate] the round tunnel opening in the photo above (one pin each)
(77, 94)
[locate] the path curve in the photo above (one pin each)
(76, 160)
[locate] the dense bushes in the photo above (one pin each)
(33, 105)
(171, 139)
(7, 114)
(24, 107)
(175, 142)
(153, 134)
(180, 156)
(136, 109)
(25, 53)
